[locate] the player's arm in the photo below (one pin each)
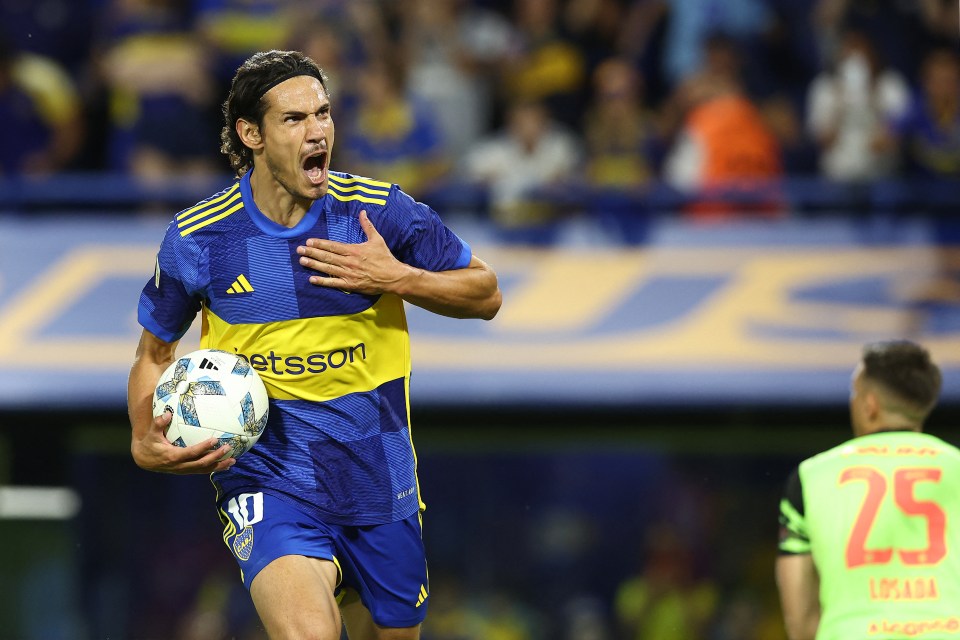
(799, 587)
(370, 268)
(149, 446)
(471, 292)
(797, 577)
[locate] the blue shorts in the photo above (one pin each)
(384, 563)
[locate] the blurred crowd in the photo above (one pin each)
(591, 103)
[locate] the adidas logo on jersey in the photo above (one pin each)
(207, 364)
(241, 285)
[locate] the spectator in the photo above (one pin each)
(532, 153)
(544, 66)
(665, 600)
(940, 19)
(451, 615)
(391, 134)
(343, 39)
(898, 25)
(457, 613)
(929, 132)
(161, 92)
(234, 29)
(623, 148)
(595, 27)
(688, 27)
(324, 42)
(621, 135)
(798, 153)
(724, 143)
(506, 617)
(849, 109)
(40, 107)
(452, 49)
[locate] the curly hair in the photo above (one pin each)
(905, 368)
(257, 75)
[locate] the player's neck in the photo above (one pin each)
(893, 428)
(276, 202)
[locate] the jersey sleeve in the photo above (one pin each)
(794, 539)
(418, 237)
(171, 299)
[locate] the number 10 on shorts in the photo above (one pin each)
(246, 509)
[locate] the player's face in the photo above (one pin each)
(297, 134)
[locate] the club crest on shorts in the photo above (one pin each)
(243, 543)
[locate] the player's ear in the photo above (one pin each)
(249, 133)
(872, 404)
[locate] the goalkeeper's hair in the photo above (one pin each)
(257, 75)
(905, 369)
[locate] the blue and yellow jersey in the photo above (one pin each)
(336, 365)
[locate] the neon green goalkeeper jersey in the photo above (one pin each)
(880, 515)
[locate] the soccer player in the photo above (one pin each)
(870, 530)
(304, 271)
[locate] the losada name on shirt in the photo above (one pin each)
(904, 450)
(916, 588)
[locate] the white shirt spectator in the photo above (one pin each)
(847, 113)
(453, 49)
(532, 153)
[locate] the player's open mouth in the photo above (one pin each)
(315, 166)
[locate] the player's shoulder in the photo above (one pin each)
(826, 457)
(883, 445)
(207, 214)
(359, 192)
(942, 447)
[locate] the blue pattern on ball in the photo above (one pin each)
(242, 368)
(188, 410)
(206, 388)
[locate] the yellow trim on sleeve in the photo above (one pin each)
(359, 187)
(211, 202)
(207, 221)
(368, 181)
(343, 198)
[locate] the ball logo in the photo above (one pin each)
(188, 390)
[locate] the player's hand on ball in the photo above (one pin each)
(368, 267)
(155, 453)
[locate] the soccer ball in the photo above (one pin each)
(213, 394)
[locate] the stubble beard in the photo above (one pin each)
(293, 189)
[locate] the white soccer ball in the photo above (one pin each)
(213, 394)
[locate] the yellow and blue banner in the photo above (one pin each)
(758, 321)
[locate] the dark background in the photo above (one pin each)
(535, 518)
